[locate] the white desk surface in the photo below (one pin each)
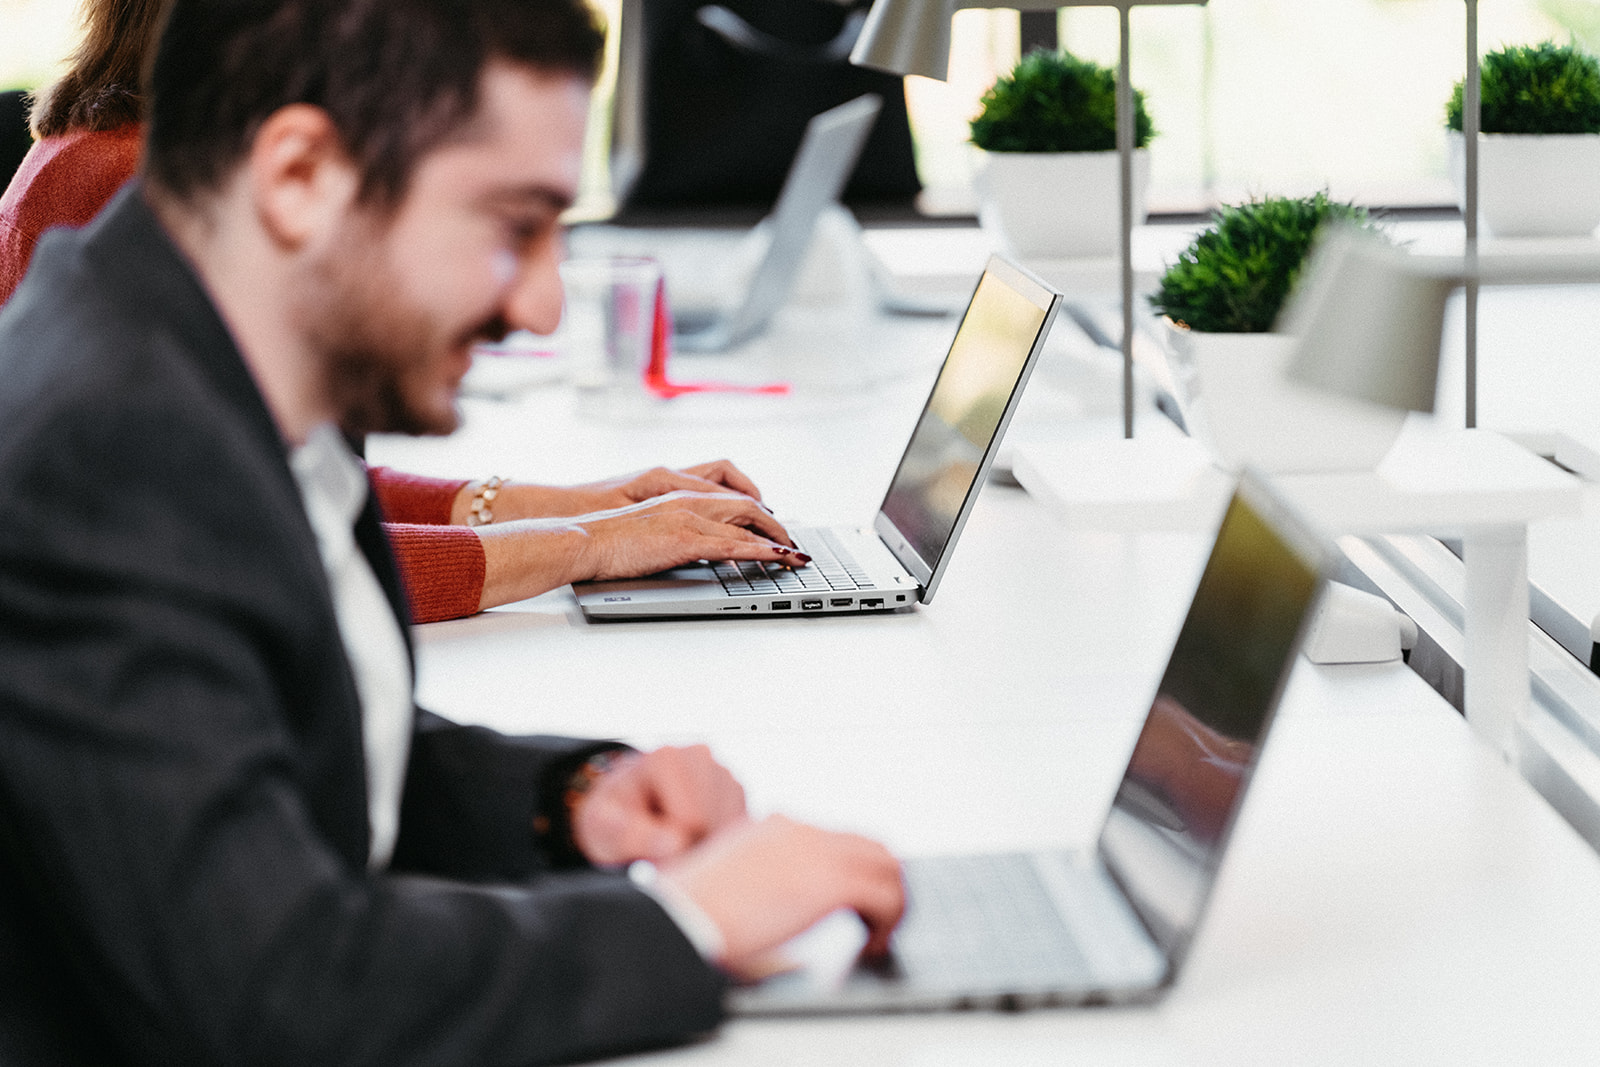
(1395, 893)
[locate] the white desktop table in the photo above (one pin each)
(1395, 892)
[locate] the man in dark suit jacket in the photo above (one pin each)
(199, 862)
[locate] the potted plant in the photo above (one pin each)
(1539, 141)
(1047, 187)
(1220, 300)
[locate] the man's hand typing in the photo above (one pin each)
(760, 882)
(764, 882)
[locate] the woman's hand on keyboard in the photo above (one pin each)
(719, 475)
(678, 528)
(531, 556)
(519, 500)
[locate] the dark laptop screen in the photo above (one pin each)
(1165, 833)
(941, 465)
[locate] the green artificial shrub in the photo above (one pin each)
(1542, 88)
(1055, 102)
(1234, 277)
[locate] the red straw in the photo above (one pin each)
(655, 375)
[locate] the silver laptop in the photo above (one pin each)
(900, 558)
(828, 153)
(1114, 923)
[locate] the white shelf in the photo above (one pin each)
(1438, 482)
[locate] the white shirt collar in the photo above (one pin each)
(333, 486)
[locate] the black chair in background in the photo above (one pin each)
(15, 140)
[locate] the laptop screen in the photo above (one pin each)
(1164, 836)
(976, 391)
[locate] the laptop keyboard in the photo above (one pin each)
(831, 568)
(988, 919)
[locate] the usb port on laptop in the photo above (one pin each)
(782, 605)
(810, 605)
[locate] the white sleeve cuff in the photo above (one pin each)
(696, 925)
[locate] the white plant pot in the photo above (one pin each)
(1235, 400)
(1057, 205)
(1533, 185)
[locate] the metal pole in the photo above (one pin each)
(1125, 159)
(1470, 122)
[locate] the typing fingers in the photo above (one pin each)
(661, 481)
(647, 539)
(753, 517)
(730, 510)
(880, 897)
(723, 472)
(764, 882)
(719, 477)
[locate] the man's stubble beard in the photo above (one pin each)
(377, 348)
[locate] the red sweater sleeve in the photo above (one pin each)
(63, 181)
(413, 498)
(442, 568)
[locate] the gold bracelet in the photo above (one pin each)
(480, 513)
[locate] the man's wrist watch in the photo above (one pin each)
(552, 823)
(584, 778)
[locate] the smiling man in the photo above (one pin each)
(226, 834)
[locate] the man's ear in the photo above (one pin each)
(301, 177)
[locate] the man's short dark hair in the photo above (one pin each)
(397, 77)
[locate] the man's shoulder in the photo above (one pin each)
(128, 385)
(123, 462)
(111, 315)
(69, 342)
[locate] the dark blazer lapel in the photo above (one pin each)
(128, 239)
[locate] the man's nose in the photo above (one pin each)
(533, 299)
